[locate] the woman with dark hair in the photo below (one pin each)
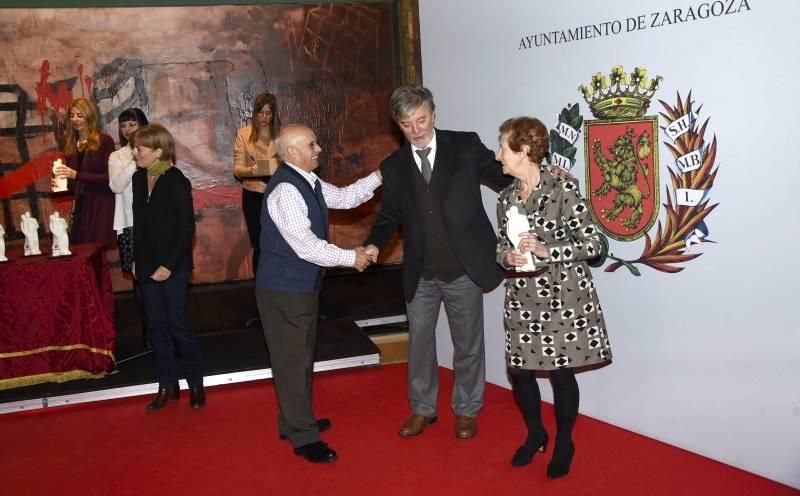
(254, 161)
(87, 151)
(162, 253)
(552, 316)
(121, 167)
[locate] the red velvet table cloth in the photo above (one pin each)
(56, 317)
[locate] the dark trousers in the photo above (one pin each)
(166, 315)
(137, 298)
(290, 328)
(251, 205)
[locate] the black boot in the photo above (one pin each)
(562, 459)
(524, 454)
(566, 398)
(164, 395)
(197, 396)
(529, 401)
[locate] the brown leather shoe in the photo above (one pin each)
(466, 427)
(416, 424)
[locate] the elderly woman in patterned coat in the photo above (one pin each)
(552, 316)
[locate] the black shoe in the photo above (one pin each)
(163, 395)
(322, 425)
(562, 459)
(197, 396)
(318, 452)
(525, 453)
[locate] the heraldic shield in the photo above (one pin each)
(622, 175)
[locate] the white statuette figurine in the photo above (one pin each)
(30, 228)
(60, 181)
(58, 227)
(3, 244)
(518, 224)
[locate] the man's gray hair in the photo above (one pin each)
(407, 98)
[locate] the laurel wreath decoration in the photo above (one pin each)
(669, 246)
(571, 116)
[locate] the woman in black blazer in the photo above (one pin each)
(163, 227)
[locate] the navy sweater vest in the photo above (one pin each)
(279, 267)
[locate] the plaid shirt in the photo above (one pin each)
(288, 210)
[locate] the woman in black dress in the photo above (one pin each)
(87, 150)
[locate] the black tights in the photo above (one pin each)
(566, 399)
(251, 205)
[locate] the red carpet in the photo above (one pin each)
(232, 447)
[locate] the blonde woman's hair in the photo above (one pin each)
(89, 111)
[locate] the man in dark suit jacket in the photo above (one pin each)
(431, 187)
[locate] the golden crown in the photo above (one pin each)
(620, 95)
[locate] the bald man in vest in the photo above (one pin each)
(294, 253)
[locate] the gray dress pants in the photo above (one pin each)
(463, 303)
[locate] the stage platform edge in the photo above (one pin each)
(147, 389)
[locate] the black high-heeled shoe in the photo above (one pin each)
(562, 459)
(164, 394)
(197, 396)
(524, 454)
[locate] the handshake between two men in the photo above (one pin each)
(365, 256)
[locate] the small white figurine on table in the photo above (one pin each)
(30, 228)
(58, 227)
(3, 244)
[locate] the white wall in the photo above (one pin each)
(705, 359)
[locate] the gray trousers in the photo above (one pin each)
(463, 303)
(290, 321)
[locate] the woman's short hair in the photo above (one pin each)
(527, 131)
(265, 98)
(407, 98)
(156, 136)
(133, 114)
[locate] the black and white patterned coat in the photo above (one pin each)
(553, 320)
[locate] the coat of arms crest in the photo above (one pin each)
(621, 151)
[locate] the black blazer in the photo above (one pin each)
(462, 161)
(163, 225)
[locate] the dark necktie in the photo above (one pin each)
(318, 191)
(322, 204)
(426, 165)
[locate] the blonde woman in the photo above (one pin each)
(87, 150)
